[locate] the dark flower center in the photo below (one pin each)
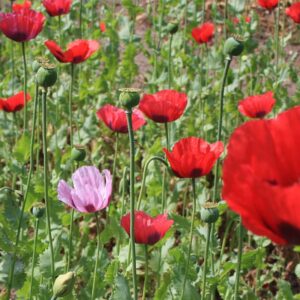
(290, 233)
(260, 114)
(20, 36)
(90, 208)
(160, 118)
(196, 173)
(153, 238)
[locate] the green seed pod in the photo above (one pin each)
(234, 46)
(209, 212)
(172, 27)
(46, 75)
(63, 284)
(38, 209)
(78, 153)
(38, 62)
(129, 97)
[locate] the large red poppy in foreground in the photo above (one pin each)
(147, 230)
(163, 106)
(193, 157)
(77, 51)
(294, 12)
(261, 176)
(13, 103)
(115, 118)
(23, 24)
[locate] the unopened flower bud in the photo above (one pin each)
(78, 153)
(38, 62)
(129, 97)
(46, 75)
(38, 209)
(234, 46)
(63, 284)
(172, 27)
(209, 212)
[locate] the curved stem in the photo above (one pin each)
(36, 228)
(97, 255)
(205, 261)
(158, 158)
(132, 180)
(25, 86)
(220, 123)
(169, 62)
(70, 105)
(191, 238)
(146, 273)
(239, 262)
(11, 272)
(44, 122)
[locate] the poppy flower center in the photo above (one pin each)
(153, 238)
(260, 114)
(90, 208)
(20, 36)
(160, 118)
(196, 172)
(291, 233)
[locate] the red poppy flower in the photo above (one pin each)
(57, 7)
(163, 106)
(204, 33)
(77, 51)
(115, 118)
(26, 4)
(102, 26)
(294, 12)
(268, 4)
(193, 157)
(147, 230)
(23, 24)
(257, 106)
(236, 20)
(261, 176)
(13, 103)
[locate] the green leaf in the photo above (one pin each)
(122, 291)
(22, 148)
(161, 292)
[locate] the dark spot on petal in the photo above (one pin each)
(153, 238)
(290, 233)
(272, 181)
(260, 114)
(90, 208)
(160, 118)
(20, 36)
(196, 173)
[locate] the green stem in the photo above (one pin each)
(70, 241)
(53, 298)
(70, 105)
(203, 11)
(132, 179)
(80, 19)
(44, 125)
(206, 261)
(25, 86)
(225, 18)
(12, 67)
(97, 255)
(146, 273)
(167, 136)
(220, 123)
(158, 158)
(59, 31)
(239, 262)
(185, 25)
(169, 63)
(277, 36)
(191, 238)
(36, 228)
(115, 157)
(11, 272)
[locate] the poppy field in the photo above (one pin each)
(149, 149)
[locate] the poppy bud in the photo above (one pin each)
(38, 209)
(78, 153)
(46, 75)
(209, 212)
(172, 27)
(63, 284)
(129, 97)
(37, 63)
(234, 45)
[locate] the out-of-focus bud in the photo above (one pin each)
(78, 153)
(63, 284)
(129, 97)
(38, 209)
(209, 212)
(172, 27)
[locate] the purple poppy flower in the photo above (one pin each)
(92, 190)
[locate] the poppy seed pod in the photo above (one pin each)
(78, 153)
(38, 62)
(209, 212)
(234, 46)
(46, 75)
(172, 27)
(63, 284)
(38, 210)
(129, 97)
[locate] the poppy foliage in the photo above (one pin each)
(261, 176)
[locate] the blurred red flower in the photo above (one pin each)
(261, 176)
(236, 20)
(13, 103)
(25, 4)
(257, 106)
(57, 7)
(268, 4)
(294, 12)
(163, 106)
(115, 118)
(204, 33)
(23, 24)
(77, 51)
(147, 230)
(102, 26)
(193, 157)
